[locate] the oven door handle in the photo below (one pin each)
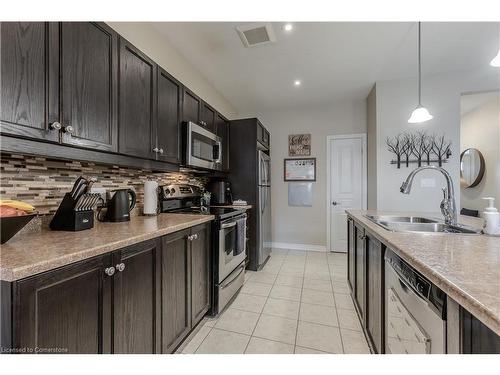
(229, 282)
(228, 225)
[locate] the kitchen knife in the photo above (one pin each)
(80, 190)
(76, 186)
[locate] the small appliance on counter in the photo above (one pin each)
(228, 240)
(221, 193)
(119, 203)
(76, 211)
(150, 198)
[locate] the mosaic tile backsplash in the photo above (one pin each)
(42, 182)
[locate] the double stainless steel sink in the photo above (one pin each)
(396, 223)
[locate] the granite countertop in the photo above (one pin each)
(466, 267)
(29, 254)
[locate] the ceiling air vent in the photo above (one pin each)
(256, 34)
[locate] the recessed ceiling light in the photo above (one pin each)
(288, 27)
(297, 82)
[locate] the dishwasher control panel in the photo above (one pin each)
(416, 281)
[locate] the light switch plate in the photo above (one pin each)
(428, 182)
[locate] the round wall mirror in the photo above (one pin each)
(471, 167)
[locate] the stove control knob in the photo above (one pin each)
(167, 191)
(172, 191)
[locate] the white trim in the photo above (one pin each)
(298, 246)
(365, 177)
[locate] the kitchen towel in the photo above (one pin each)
(150, 198)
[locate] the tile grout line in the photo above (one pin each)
(260, 315)
(336, 311)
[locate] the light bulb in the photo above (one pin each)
(297, 82)
(420, 114)
(288, 27)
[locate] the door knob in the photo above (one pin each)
(120, 267)
(55, 126)
(110, 271)
(334, 203)
(68, 129)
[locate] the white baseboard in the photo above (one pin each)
(298, 246)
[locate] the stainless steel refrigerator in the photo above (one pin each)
(264, 213)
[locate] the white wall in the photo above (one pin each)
(155, 46)
(480, 129)
(371, 124)
(441, 95)
(306, 225)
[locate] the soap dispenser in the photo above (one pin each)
(491, 218)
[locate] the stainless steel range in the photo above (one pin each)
(228, 239)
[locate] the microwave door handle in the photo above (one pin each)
(219, 152)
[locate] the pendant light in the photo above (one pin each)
(496, 60)
(420, 114)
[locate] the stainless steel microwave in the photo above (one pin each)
(202, 148)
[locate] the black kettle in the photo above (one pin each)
(119, 204)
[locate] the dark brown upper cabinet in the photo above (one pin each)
(168, 132)
(136, 299)
(137, 104)
(207, 117)
(222, 130)
(175, 290)
(191, 107)
(89, 91)
(68, 308)
(29, 91)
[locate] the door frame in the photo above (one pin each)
(330, 138)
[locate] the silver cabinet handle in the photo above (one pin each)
(68, 129)
(362, 237)
(120, 267)
(195, 236)
(160, 151)
(156, 149)
(110, 271)
(55, 126)
(190, 238)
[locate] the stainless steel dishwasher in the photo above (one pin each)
(415, 310)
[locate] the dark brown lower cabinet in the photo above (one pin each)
(64, 311)
(136, 307)
(144, 298)
(175, 290)
(200, 277)
(476, 338)
(375, 292)
(351, 255)
(360, 270)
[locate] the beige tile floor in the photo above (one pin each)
(299, 303)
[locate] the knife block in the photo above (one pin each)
(67, 218)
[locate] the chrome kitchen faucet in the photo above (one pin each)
(448, 207)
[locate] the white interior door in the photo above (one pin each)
(346, 186)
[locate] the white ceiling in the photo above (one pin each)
(334, 60)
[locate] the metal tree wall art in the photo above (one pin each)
(419, 148)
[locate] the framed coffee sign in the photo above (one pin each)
(300, 169)
(299, 145)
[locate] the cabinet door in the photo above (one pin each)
(29, 79)
(351, 256)
(89, 90)
(137, 113)
(375, 292)
(67, 309)
(208, 117)
(222, 130)
(191, 107)
(360, 272)
(200, 273)
(136, 299)
(175, 290)
(169, 120)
